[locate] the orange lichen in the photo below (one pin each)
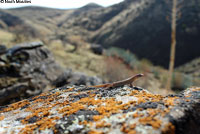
(154, 122)
(42, 116)
(187, 96)
(132, 126)
(16, 112)
(132, 132)
(36, 97)
(92, 95)
(2, 117)
(15, 106)
(69, 89)
(97, 117)
(72, 108)
(170, 101)
(168, 129)
(38, 100)
(39, 112)
(102, 124)
(129, 129)
(83, 122)
(154, 112)
(133, 92)
(124, 128)
(195, 89)
(124, 106)
(44, 123)
(111, 106)
(95, 132)
(141, 100)
(135, 115)
(28, 129)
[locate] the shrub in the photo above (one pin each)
(115, 70)
(127, 57)
(181, 81)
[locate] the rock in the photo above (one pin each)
(97, 49)
(2, 49)
(26, 69)
(26, 46)
(81, 109)
(82, 79)
(62, 79)
(75, 78)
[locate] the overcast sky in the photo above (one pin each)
(64, 4)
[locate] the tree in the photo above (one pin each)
(173, 43)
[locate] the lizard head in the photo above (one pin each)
(140, 75)
(137, 76)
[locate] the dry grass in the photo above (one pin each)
(78, 61)
(6, 37)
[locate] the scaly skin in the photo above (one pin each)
(128, 81)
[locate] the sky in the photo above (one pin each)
(62, 4)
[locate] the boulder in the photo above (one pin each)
(26, 69)
(76, 78)
(2, 49)
(81, 109)
(96, 48)
(29, 69)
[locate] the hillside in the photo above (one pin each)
(191, 68)
(44, 20)
(142, 26)
(8, 20)
(69, 35)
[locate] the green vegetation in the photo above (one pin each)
(182, 81)
(128, 57)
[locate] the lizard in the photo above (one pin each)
(119, 83)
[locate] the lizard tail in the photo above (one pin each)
(101, 86)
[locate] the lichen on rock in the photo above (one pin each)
(80, 109)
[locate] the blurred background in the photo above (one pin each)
(98, 41)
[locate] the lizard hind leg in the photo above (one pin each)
(109, 86)
(131, 85)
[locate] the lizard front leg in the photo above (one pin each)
(131, 84)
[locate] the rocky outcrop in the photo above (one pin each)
(80, 109)
(29, 69)
(75, 78)
(26, 69)
(96, 48)
(2, 49)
